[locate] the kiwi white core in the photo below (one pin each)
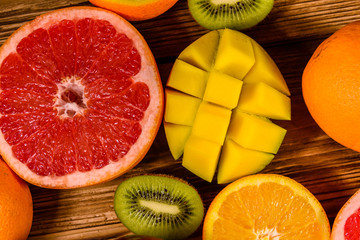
(160, 207)
(218, 2)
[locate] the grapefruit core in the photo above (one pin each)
(81, 98)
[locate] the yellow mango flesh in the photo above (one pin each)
(202, 52)
(261, 99)
(176, 136)
(253, 132)
(241, 78)
(222, 89)
(201, 157)
(237, 161)
(265, 70)
(211, 122)
(235, 55)
(188, 79)
(180, 108)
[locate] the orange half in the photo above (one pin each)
(136, 10)
(266, 206)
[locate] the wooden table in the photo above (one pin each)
(290, 34)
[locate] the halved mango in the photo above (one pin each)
(241, 80)
(176, 136)
(188, 79)
(253, 132)
(261, 99)
(201, 157)
(180, 108)
(236, 162)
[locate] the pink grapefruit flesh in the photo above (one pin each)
(347, 222)
(81, 99)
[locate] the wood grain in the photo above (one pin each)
(290, 34)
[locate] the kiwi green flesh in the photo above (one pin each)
(158, 206)
(234, 14)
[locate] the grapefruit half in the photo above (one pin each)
(81, 98)
(346, 224)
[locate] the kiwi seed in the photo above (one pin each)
(234, 14)
(158, 206)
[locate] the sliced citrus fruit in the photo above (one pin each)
(136, 10)
(81, 98)
(266, 206)
(346, 223)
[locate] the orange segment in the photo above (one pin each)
(266, 206)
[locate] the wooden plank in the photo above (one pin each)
(290, 34)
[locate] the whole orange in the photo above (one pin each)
(16, 207)
(331, 86)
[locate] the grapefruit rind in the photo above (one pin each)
(350, 207)
(256, 180)
(148, 74)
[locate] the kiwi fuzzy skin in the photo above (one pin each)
(219, 14)
(164, 189)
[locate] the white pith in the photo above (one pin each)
(66, 108)
(147, 74)
(266, 234)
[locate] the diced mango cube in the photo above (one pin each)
(176, 136)
(261, 99)
(265, 70)
(180, 108)
(255, 133)
(201, 52)
(188, 79)
(236, 161)
(201, 157)
(211, 122)
(223, 89)
(235, 55)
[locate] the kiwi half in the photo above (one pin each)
(159, 206)
(234, 14)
